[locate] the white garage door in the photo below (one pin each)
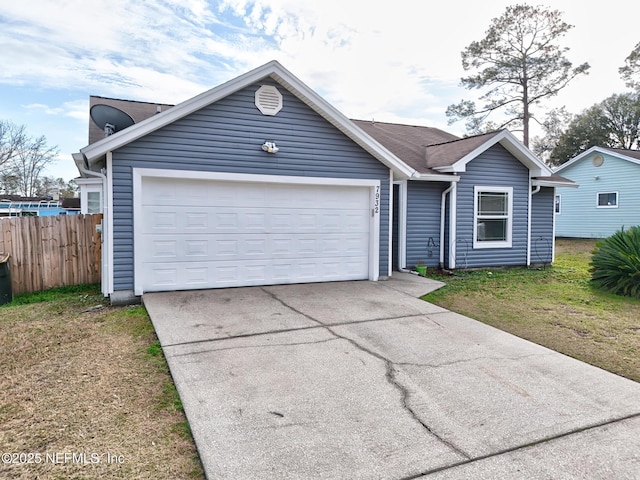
(211, 234)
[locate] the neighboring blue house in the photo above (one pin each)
(609, 194)
(260, 181)
(16, 206)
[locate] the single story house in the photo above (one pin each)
(261, 181)
(609, 194)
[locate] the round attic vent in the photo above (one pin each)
(597, 160)
(268, 100)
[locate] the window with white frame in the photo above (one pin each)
(94, 202)
(607, 200)
(493, 217)
(558, 204)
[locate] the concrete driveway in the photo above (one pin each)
(362, 380)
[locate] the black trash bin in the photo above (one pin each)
(5, 279)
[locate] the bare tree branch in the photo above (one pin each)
(23, 159)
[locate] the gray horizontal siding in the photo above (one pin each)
(494, 167)
(227, 137)
(423, 222)
(542, 205)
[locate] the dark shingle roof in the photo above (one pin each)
(445, 154)
(407, 142)
(71, 203)
(20, 198)
(623, 151)
(423, 148)
(427, 149)
(556, 178)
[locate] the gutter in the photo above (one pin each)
(553, 184)
(434, 177)
(81, 164)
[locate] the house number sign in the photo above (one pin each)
(376, 203)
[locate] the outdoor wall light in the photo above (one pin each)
(270, 147)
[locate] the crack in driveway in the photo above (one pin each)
(402, 389)
(264, 345)
(390, 375)
(523, 446)
(473, 359)
(284, 304)
(390, 366)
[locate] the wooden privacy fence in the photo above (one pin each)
(49, 252)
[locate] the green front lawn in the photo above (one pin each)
(556, 307)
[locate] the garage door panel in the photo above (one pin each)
(256, 246)
(195, 193)
(247, 220)
(209, 234)
(247, 273)
(196, 220)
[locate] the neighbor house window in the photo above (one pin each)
(608, 200)
(493, 217)
(558, 204)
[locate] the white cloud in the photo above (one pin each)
(397, 61)
(364, 57)
(89, 44)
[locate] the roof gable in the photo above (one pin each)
(439, 155)
(443, 155)
(632, 156)
(454, 156)
(96, 151)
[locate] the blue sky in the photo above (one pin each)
(393, 61)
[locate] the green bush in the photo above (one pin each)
(615, 265)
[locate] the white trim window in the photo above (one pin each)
(492, 217)
(94, 201)
(607, 200)
(558, 204)
(91, 200)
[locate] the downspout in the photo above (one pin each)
(390, 256)
(453, 226)
(529, 243)
(81, 165)
(79, 160)
(442, 223)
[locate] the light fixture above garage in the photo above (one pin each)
(270, 147)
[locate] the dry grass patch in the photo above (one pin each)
(83, 383)
(556, 307)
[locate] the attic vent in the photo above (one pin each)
(597, 160)
(268, 100)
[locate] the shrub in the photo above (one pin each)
(615, 265)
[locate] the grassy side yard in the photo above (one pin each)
(556, 307)
(85, 393)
